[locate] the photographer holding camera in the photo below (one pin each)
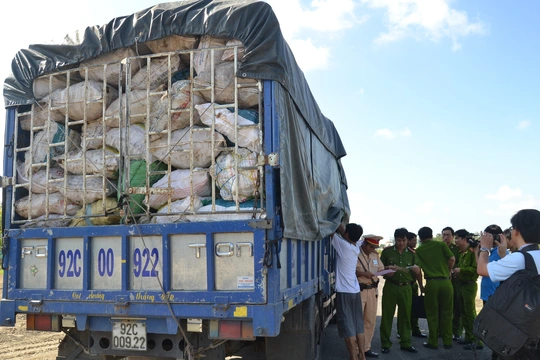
(466, 286)
(497, 252)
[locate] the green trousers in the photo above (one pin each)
(457, 325)
(414, 320)
(439, 303)
(467, 307)
(402, 297)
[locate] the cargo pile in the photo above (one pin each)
(164, 132)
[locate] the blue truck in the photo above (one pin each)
(170, 186)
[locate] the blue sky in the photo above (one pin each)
(437, 101)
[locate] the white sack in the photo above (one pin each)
(180, 94)
(179, 154)
(92, 135)
(94, 163)
(41, 142)
(139, 101)
(94, 100)
(202, 60)
(137, 140)
(41, 115)
(228, 181)
(224, 74)
(39, 178)
(159, 72)
(94, 189)
(179, 207)
(39, 205)
(41, 85)
(112, 58)
(44, 221)
(228, 55)
(248, 137)
(181, 185)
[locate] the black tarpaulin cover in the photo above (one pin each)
(313, 185)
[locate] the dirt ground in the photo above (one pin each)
(17, 343)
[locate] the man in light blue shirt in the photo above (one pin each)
(498, 251)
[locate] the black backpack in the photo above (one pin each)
(509, 323)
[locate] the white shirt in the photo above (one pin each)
(502, 269)
(347, 256)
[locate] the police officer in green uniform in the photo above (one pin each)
(397, 291)
(467, 287)
(436, 260)
(457, 326)
(411, 246)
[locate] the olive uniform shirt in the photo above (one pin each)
(467, 266)
(455, 250)
(391, 256)
(432, 256)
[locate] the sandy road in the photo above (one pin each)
(17, 343)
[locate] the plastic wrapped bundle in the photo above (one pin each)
(110, 212)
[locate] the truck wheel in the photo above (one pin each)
(300, 336)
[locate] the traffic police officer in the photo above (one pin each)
(397, 291)
(467, 287)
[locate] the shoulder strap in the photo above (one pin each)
(529, 261)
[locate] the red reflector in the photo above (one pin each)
(230, 330)
(39, 322)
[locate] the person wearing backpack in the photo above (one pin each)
(512, 336)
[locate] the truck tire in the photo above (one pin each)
(300, 335)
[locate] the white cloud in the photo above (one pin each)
(389, 134)
(384, 133)
(308, 56)
(432, 19)
(504, 194)
(406, 132)
(523, 124)
(322, 17)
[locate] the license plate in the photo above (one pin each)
(129, 335)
